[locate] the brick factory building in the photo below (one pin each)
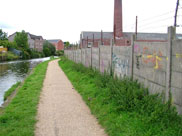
(59, 45)
(120, 38)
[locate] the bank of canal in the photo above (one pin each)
(15, 71)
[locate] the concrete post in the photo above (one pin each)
(99, 58)
(75, 56)
(133, 38)
(171, 37)
(81, 56)
(91, 56)
(112, 69)
(73, 51)
(85, 56)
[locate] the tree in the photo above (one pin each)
(3, 35)
(21, 40)
(67, 44)
(7, 44)
(48, 49)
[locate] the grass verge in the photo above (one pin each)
(123, 107)
(11, 90)
(19, 117)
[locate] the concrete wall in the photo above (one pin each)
(88, 57)
(176, 80)
(78, 56)
(105, 58)
(83, 56)
(121, 60)
(150, 61)
(157, 65)
(95, 58)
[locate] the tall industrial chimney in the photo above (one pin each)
(118, 19)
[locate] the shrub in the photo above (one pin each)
(59, 53)
(48, 49)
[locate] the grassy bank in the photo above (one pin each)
(123, 108)
(19, 117)
(11, 90)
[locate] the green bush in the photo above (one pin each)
(7, 44)
(25, 55)
(34, 53)
(48, 49)
(8, 56)
(60, 53)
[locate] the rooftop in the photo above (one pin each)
(140, 36)
(54, 40)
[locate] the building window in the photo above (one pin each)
(90, 44)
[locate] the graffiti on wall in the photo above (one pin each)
(120, 65)
(178, 55)
(138, 61)
(137, 48)
(155, 58)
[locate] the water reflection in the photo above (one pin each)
(12, 72)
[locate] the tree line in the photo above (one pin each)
(20, 43)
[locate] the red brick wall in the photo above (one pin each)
(122, 42)
(59, 45)
(96, 42)
(107, 42)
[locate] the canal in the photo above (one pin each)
(15, 71)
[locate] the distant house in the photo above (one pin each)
(59, 45)
(35, 42)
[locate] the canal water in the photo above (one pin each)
(15, 71)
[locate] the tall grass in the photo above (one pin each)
(123, 107)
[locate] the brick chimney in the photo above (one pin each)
(118, 19)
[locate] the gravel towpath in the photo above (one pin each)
(61, 110)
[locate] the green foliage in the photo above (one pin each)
(11, 90)
(21, 43)
(8, 56)
(48, 49)
(21, 40)
(67, 44)
(35, 54)
(3, 35)
(25, 54)
(60, 53)
(4, 40)
(123, 107)
(7, 44)
(19, 117)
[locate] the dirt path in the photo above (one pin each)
(61, 110)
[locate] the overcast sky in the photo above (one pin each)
(65, 19)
